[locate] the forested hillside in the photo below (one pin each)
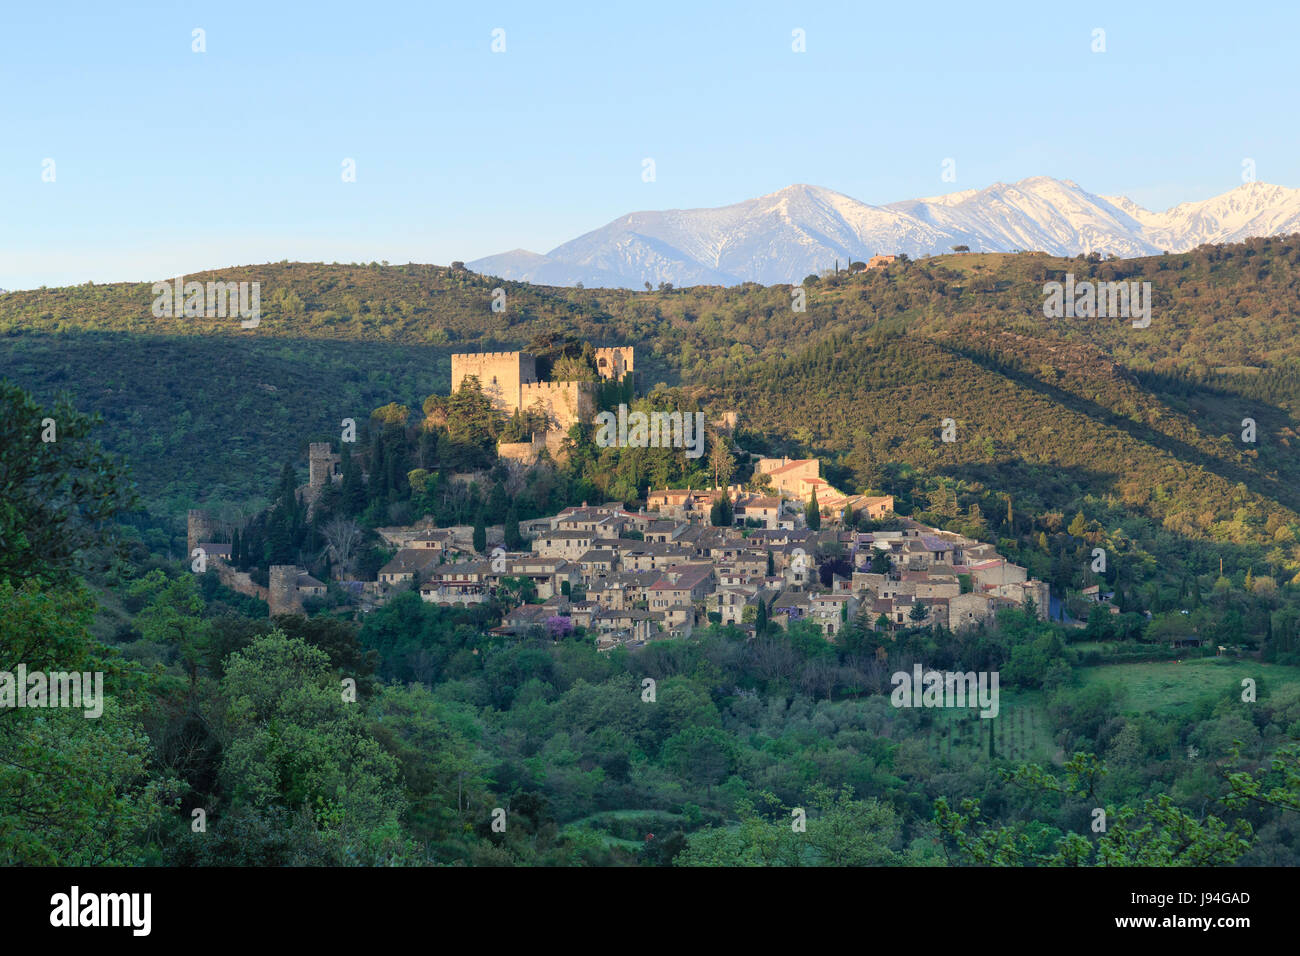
(1049, 409)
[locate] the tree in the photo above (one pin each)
(721, 514)
(353, 487)
(1079, 526)
(812, 513)
(512, 592)
(174, 616)
(722, 461)
(848, 832)
(919, 612)
(1154, 833)
(480, 533)
(570, 368)
(73, 791)
(514, 540)
(343, 536)
(703, 755)
(444, 773)
(56, 495)
(840, 831)
(296, 744)
(471, 419)
(391, 414)
(961, 248)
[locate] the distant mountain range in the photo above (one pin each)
(786, 235)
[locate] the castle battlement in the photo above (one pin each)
(487, 355)
(556, 386)
(509, 381)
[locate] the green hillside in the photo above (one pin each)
(1143, 423)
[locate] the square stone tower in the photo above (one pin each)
(614, 363)
(500, 374)
(283, 591)
(200, 526)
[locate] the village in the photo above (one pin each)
(627, 578)
(630, 577)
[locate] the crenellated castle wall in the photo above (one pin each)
(509, 380)
(565, 403)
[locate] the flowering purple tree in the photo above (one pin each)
(559, 626)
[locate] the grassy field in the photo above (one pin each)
(1175, 688)
(626, 828)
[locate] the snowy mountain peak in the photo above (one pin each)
(783, 236)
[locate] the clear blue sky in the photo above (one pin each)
(169, 161)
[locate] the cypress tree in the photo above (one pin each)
(480, 534)
(813, 514)
(514, 540)
(354, 489)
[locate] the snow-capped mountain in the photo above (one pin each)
(786, 235)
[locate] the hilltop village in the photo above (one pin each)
(632, 577)
(628, 577)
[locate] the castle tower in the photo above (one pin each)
(615, 363)
(283, 591)
(500, 375)
(322, 465)
(200, 526)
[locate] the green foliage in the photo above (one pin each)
(73, 790)
(57, 485)
(1156, 833)
(295, 744)
(836, 831)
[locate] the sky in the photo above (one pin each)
(167, 161)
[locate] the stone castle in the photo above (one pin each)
(509, 380)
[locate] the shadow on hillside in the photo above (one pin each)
(1279, 491)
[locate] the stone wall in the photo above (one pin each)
(565, 403)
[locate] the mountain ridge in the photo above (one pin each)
(783, 236)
